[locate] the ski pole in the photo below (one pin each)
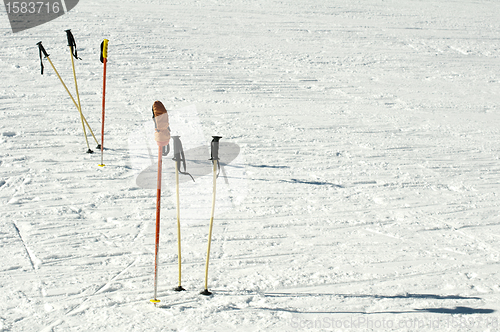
(42, 50)
(215, 161)
(178, 157)
(70, 44)
(74, 53)
(157, 236)
(162, 137)
(104, 60)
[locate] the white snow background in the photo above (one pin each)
(364, 198)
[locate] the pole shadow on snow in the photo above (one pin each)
(405, 296)
(268, 166)
(316, 183)
(448, 311)
(184, 304)
(456, 310)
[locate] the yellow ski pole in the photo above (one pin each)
(215, 161)
(178, 158)
(73, 53)
(179, 287)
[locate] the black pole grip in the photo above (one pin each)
(72, 43)
(214, 154)
(42, 49)
(71, 39)
(102, 60)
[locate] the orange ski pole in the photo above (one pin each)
(104, 60)
(157, 238)
(162, 137)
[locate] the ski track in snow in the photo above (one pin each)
(366, 189)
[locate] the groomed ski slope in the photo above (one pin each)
(364, 196)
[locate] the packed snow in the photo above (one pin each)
(360, 192)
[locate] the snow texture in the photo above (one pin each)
(364, 196)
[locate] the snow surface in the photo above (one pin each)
(364, 197)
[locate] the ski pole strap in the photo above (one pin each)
(179, 156)
(154, 120)
(104, 50)
(72, 43)
(40, 51)
(166, 152)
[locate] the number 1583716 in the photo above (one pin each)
(40, 7)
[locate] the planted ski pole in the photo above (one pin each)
(215, 163)
(179, 158)
(104, 60)
(42, 50)
(74, 54)
(79, 106)
(162, 137)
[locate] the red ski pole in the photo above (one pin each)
(162, 137)
(104, 60)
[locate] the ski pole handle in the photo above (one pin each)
(42, 49)
(72, 43)
(162, 129)
(71, 39)
(104, 50)
(215, 148)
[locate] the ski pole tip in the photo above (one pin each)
(206, 292)
(101, 165)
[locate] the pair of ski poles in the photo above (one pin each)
(178, 158)
(74, 54)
